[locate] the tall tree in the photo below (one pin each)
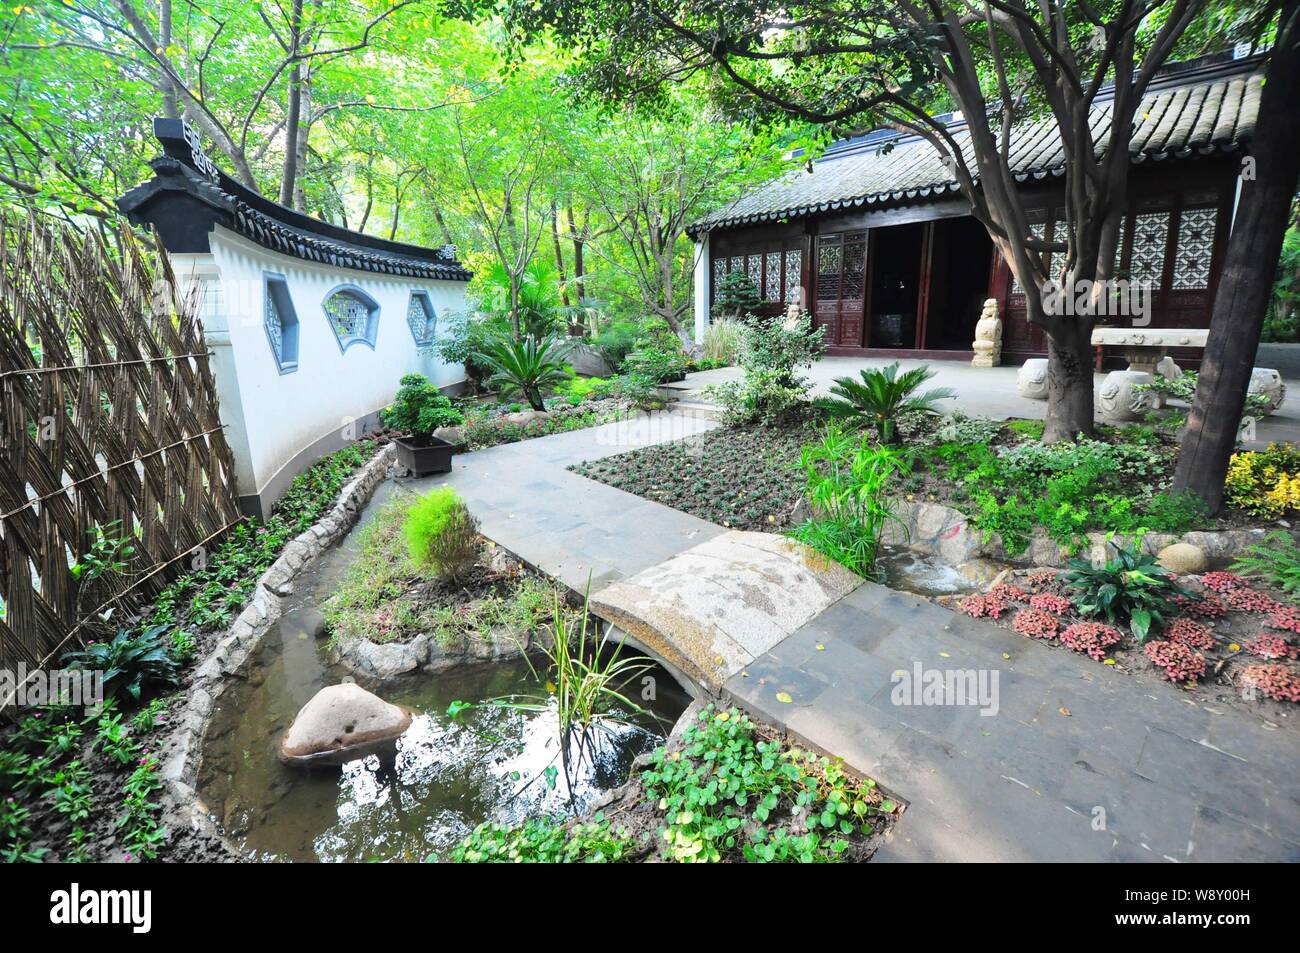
(844, 63)
(1245, 286)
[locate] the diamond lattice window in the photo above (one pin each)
(793, 262)
(1147, 261)
(1195, 248)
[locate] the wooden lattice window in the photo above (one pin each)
(1195, 249)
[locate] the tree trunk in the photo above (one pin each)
(171, 102)
(289, 176)
(559, 255)
(1069, 381)
(1246, 282)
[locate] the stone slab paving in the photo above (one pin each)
(567, 526)
(991, 391)
(712, 609)
(1176, 780)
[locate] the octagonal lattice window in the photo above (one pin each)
(281, 322)
(421, 318)
(353, 315)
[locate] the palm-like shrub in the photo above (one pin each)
(880, 397)
(525, 366)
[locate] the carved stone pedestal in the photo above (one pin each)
(1118, 400)
(1032, 379)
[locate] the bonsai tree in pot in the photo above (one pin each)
(421, 408)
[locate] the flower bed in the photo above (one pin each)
(1228, 630)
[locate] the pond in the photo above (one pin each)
(448, 775)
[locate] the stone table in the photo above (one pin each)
(1144, 348)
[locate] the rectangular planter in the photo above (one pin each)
(422, 455)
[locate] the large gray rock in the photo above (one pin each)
(711, 610)
(342, 723)
(453, 435)
(526, 416)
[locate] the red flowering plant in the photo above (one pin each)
(1274, 681)
(1036, 624)
(1090, 638)
(1270, 646)
(1180, 663)
(1191, 634)
(1042, 578)
(1222, 581)
(1285, 617)
(1008, 593)
(1208, 606)
(1050, 602)
(1246, 599)
(979, 606)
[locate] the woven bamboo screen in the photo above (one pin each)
(108, 423)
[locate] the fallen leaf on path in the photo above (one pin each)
(784, 697)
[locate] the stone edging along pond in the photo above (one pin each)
(183, 747)
(947, 533)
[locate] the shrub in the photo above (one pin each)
(1276, 559)
(978, 606)
(880, 396)
(1180, 664)
(420, 407)
(616, 342)
(723, 341)
(1090, 638)
(1270, 646)
(958, 428)
(442, 534)
(660, 364)
(1132, 589)
(130, 662)
(735, 296)
(771, 389)
(1050, 602)
(1265, 483)
(847, 482)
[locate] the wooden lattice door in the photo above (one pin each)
(839, 300)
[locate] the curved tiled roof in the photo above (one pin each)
(1185, 117)
(188, 195)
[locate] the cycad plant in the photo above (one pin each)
(524, 365)
(880, 397)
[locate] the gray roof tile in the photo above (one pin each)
(1212, 114)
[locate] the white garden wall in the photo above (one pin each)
(279, 422)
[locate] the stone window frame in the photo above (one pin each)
(275, 294)
(372, 322)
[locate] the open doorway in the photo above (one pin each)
(961, 255)
(895, 285)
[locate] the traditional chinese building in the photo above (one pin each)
(877, 243)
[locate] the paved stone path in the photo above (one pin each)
(1177, 781)
(991, 392)
(564, 524)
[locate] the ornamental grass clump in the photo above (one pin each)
(442, 535)
(1090, 638)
